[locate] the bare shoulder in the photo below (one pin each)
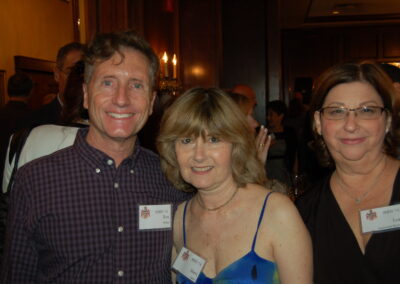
(282, 213)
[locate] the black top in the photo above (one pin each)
(337, 256)
(14, 115)
(47, 114)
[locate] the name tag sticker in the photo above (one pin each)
(155, 217)
(189, 264)
(380, 219)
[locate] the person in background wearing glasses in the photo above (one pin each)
(67, 56)
(355, 129)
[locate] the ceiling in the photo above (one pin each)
(302, 13)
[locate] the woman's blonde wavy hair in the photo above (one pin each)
(200, 112)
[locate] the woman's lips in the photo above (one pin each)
(352, 141)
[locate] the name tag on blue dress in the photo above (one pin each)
(189, 264)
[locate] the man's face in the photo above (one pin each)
(119, 99)
(61, 74)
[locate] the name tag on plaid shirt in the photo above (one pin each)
(155, 217)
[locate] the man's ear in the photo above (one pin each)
(317, 122)
(85, 96)
(56, 72)
(153, 99)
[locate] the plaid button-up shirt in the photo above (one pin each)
(74, 219)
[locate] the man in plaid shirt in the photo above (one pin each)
(99, 211)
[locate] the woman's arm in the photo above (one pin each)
(178, 237)
(291, 242)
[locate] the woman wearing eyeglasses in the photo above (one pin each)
(355, 240)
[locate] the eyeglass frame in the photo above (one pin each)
(348, 110)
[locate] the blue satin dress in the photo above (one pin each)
(251, 268)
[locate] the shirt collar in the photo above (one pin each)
(96, 157)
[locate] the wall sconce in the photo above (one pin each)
(167, 85)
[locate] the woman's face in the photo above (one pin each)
(205, 164)
(353, 138)
(274, 119)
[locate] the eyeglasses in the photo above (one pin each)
(364, 112)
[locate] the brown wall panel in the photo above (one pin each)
(391, 43)
(307, 53)
(199, 42)
(106, 16)
(159, 27)
(359, 44)
(244, 48)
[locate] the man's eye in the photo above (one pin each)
(107, 83)
(136, 85)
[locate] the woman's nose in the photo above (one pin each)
(199, 151)
(351, 121)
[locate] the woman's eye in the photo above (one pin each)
(368, 109)
(337, 111)
(213, 139)
(186, 140)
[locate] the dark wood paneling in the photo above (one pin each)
(244, 48)
(359, 44)
(106, 16)
(308, 52)
(75, 19)
(2, 87)
(391, 42)
(159, 27)
(200, 42)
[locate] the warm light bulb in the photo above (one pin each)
(165, 57)
(174, 61)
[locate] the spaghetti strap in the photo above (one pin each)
(183, 224)
(259, 221)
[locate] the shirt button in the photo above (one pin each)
(120, 273)
(132, 171)
(116, 185)
(110, 162)
(120, 229)
(98, 171)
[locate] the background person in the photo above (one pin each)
(67, 56)
(46, 139)
(282, 153)
(212, 153)
(15, 115)
(355, 129)
(263, 141)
